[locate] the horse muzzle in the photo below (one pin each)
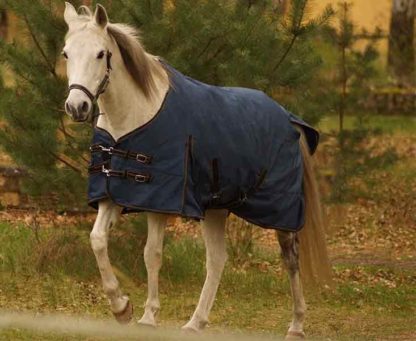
(80, 111)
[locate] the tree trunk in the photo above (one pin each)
(401, 54)
(281, 5)
(3, 24)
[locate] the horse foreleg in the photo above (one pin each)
(213, 231)
(108, 213)
(289, 245)
(156, 224)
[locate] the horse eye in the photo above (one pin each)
(64, 54)
(100, 55)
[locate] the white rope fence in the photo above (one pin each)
(109, 329)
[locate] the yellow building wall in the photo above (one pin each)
(366, 14)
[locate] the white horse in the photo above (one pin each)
(138, 86)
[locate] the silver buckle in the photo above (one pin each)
(140, 178)
(108, 150)
(106, 171)
(142, 158)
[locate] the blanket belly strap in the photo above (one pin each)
(138, 177)
(98, 168)
(139, 157)
(239, 196)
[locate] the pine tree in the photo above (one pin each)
(355, 75)
(36, 133)
(356, 69)
(402, 42)
(234, 43)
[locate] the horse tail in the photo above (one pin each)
(315, 267)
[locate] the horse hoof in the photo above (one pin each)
(146, 324)
(293, 335)
(126, 315)
(189, 328)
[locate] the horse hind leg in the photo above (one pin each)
(289, 247)
(108, 214)
(153, 260)
(213, 231)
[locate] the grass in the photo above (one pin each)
(382, 123)
(19, 335)
(51, 280)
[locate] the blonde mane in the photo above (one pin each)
(144, 68)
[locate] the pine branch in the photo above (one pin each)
(295, 34)
(285, 54)
(63, 129)
(219, 50)
(57, 157)
(250, 32)
(26, 78)
(84, 159)
(207, 45)
(39, 47)
(149, 5)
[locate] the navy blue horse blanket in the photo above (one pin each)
(208, 147)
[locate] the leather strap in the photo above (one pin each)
(101, 168)
(101, 87)
(139, 157)
(98, 168)
(242, 195)
(84, 89)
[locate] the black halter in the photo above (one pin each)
(100, 90)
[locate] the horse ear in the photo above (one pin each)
(84, 10)
(100, 16)
(70, 13)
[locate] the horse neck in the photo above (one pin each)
(124, 106)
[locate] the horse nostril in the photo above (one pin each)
(84, 106)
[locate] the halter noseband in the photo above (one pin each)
(101, 87)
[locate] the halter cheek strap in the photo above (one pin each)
(101, 87)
